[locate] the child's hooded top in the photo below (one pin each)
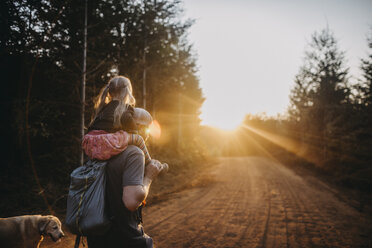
(105, 119)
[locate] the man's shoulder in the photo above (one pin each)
(133, 150)
(131, 155)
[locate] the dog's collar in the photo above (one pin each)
(42, 230)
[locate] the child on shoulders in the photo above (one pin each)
(115, 123)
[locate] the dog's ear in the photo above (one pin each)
(43, 223)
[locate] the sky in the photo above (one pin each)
(248, 52)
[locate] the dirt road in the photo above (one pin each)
(255, 202)
(252, 202)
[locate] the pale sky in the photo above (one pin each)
(250, 51)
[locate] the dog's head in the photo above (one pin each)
(51, 226)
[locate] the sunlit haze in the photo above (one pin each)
(249, 51)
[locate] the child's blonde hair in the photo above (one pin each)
(118, 88)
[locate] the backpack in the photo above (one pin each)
(85, 214)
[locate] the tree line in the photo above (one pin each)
(332, 115)
(41, 50)
(329, 120)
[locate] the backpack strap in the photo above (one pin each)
(77, 241)
(139, 213)
(80, 204)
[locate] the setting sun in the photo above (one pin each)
(244, 71)
(222, 118)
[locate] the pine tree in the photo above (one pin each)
(362, 128)
(48, 36)
(366, 88)
(321, 92)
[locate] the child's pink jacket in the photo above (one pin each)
(101, 145)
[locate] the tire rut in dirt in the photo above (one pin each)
(205, 222)
(256, 202)
(222, 210)
(202, 194)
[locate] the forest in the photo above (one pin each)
(42, 60)
(328, 126)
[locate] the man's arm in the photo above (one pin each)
(134, 195)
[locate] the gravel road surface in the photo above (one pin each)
(256, 202)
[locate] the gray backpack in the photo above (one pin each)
(85, 214)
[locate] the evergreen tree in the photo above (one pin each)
(362, 124)
(41, 56)
(366, 88)
(321, 92)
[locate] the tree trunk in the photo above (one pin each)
(83, 81)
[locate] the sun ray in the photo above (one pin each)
(288, 144)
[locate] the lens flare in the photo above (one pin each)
(155, 129)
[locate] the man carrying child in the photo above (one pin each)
(115, 135)
(128, 184)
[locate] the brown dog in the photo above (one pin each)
(28, 230)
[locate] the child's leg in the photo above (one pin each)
(137, 140)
